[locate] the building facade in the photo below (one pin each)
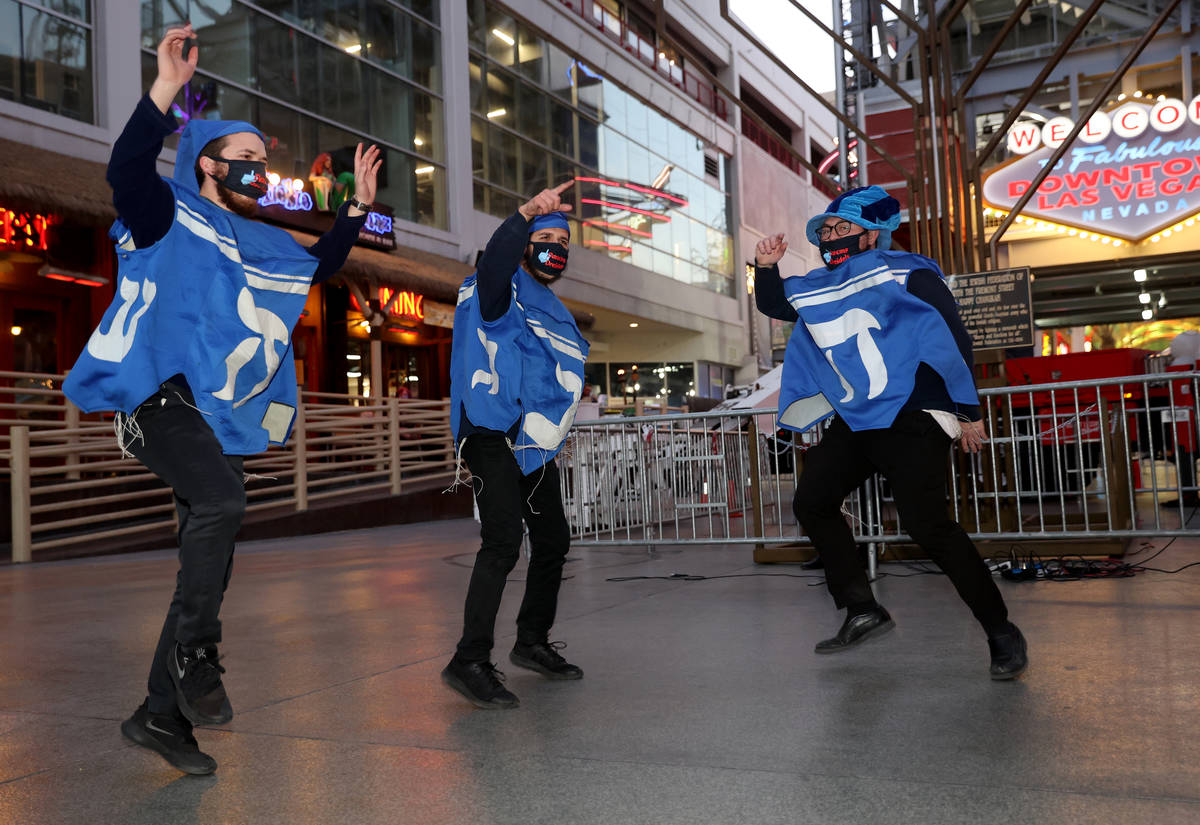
(477, 105)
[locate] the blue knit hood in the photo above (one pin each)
(198, 134)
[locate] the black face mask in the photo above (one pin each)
(548, 260)
(836, 250)
(245, 177)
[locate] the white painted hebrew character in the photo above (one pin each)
(488, 377)
(271, 330)
(115, 344)
(544, 432)
(855, 323)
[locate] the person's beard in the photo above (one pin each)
(245, 206)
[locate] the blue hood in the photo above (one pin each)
(198, 134)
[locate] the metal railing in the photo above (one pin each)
(1079, 460)
(69, 484)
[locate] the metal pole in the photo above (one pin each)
(300, 474)
(22, 529)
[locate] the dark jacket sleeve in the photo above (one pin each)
(930, 288)
(501, 257)
(769, 296)
(332, 248)
(143, 199)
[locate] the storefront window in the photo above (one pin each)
(677, 227)
(46, 56)
(341, 71)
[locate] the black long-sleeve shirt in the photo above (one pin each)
(493, 287)
(147, 206)
(500, 259)
(929, 390)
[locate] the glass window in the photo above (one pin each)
(532, 113)
(559, 66)
(595, 375)
(534, 161)
(46, 61)
(500, 35)
(478, 147)
(531, 55)
(562, 129)
(502, 158)
(501, 97)
(589, 142)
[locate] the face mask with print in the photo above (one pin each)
(245, 177)
(548, 260)
(836, 250)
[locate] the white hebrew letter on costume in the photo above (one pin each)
(544, 432)
(855, 323)
(270, 330)
(489, 376)
(115, 344)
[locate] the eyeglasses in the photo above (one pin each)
(840, 229)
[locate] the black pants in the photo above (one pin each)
(911, 454)
(179, 446)
(505, 497)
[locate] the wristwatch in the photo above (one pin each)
(357, 204)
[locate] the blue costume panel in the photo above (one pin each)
(859, 340)
(215, 300)
(526, 366)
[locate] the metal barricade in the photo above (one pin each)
(1094, 459)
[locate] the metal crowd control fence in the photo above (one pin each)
(69, 484)
(1095, 459)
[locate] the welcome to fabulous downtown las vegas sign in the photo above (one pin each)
(1132, 172)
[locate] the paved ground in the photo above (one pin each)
(702, 703)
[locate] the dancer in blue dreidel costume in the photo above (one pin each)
(879, 345)
(195, 356)
(516, 375)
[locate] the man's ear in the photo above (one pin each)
(210, 167)
(870, 238)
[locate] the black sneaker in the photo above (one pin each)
(543, 657)
(171, 737)
(1009, 654)
(480, 682)
(198, 689)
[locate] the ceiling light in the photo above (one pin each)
(633, 324)
(418, 142)
(364, 324)
(1138, 93)
(423, 170)
(497, 113)
(355, 49)
(1144, 297)
(353, 357)
(505, 36)
(354, 374)
(15, 330)
(1139, 275)
(1147, 314)
(1162, 299)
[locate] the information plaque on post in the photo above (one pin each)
(996, 307)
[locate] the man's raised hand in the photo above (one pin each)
(769, 250)
(366, 168)
(174, 67)
(546, 201)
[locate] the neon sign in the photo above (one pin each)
(401, 303)
(379, 224)
(288, 193)
(1142, 180)
(23, 230)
